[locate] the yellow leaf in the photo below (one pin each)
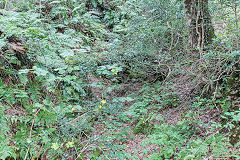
(54, 146)
(69, 145)
(103, 101)
(115, 71)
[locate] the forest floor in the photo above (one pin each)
(134, 144)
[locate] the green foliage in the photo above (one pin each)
(150, 99)
(59, 50)
(200, 148)
(175, 142)
(149, 37)
(144, 126)
(49, 48)
(169, 139)
(109, 71)
(5, 149)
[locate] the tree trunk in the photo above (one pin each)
(201, 31)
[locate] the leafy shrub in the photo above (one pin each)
(175, 142)
(146, 47)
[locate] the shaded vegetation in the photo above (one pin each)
(119, 79)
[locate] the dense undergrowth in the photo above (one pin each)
(83, 79)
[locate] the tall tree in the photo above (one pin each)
(201, 31)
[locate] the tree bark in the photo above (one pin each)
(201, 31)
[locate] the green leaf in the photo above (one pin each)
(67, 53)
(236, 53)
(23, 71)
(94, 3)
(2, 43)
(122, 99)
(40, 71)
